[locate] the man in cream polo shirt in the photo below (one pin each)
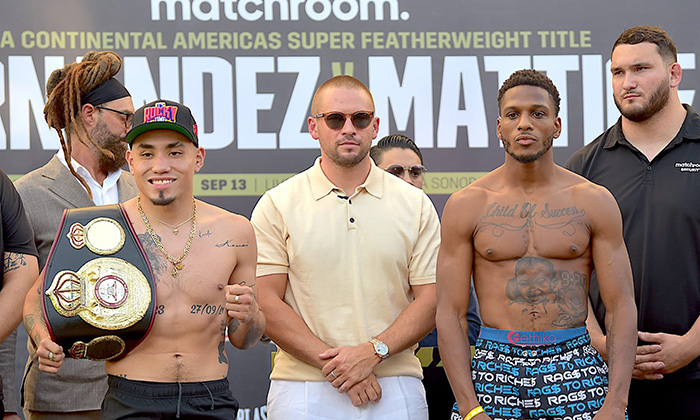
(346, 271)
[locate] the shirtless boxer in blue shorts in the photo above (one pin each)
(531, 233)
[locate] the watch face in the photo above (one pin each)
(382, 349)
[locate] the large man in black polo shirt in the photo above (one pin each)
(650, 161)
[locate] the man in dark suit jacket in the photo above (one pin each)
(90, 175)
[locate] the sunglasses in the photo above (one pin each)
(128, 116)
(415, 171)
(336, 120)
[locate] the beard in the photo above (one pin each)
(657, 101)
(348, 160)
(112, 143)
(162, 200)
(546, 145)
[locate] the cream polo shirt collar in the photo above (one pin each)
(321, 186)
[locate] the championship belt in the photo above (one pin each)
(99, 290)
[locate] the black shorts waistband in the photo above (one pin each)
(168, 389)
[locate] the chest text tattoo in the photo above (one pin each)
(206, 309)
(527, 215)
(231, 244)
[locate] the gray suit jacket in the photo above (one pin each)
(80, 384)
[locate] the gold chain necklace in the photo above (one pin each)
(175, 228)
(176, 262)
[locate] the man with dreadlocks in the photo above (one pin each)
(91, 111)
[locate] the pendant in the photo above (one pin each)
(176, 268)
(176, 231)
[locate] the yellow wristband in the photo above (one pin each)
(475, 411)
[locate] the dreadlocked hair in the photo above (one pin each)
(65, 88)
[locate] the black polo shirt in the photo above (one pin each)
(16, 233)
(660, 205)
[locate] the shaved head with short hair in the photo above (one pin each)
(342, 81)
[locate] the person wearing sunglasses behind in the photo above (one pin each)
(91, 112)
(400, 156)
(346, 270)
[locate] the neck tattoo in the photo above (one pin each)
(176, 262)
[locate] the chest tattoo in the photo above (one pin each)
(538, 285)
(526, 216)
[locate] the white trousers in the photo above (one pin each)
(403, 398)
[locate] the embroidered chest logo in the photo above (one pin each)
(688, 166)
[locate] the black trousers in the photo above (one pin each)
(2, 400)
(664, 400)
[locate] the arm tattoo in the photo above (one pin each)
(610, 340)
(233, 326)
(536, 283)
(254, 331)
(13, 261)
(245, 283)
(222, 344)
(30, 323)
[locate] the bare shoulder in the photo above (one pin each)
(600, 204)
(468, 197)
(223, 220)
(227, 230)
(588, 192)
(464, 208)
(476, 194)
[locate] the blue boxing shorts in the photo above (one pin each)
(553, 375)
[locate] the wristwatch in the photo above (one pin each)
(381, 349)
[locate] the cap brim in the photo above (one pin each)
(138, 130)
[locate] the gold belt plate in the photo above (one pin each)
(107, 293)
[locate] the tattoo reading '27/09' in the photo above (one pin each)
(206, 309)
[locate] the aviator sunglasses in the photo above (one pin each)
(415, 171)
(336, 120)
